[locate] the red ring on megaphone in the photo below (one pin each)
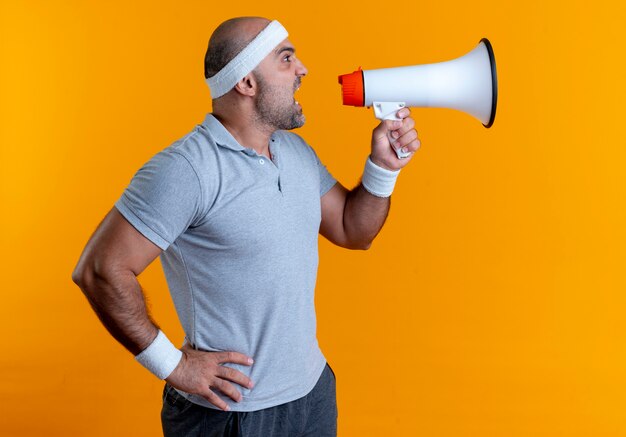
(352, 88)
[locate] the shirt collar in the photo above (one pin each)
(225, 139)
(220, 134)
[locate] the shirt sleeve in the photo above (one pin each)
(327, 181)
(163, 198)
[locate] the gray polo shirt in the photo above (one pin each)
(239, 233)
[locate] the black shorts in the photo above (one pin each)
(314, 415)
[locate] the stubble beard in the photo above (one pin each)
(275, 107)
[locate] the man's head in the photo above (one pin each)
(228, 40)
(267, 91)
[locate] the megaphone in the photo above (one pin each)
(468, 84)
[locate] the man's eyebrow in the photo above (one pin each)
(285, 49)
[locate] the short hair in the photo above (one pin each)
(225, 43)
(219, 54)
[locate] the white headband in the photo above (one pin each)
(247, 59)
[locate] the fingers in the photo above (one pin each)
(223, 373)
(227, 388)
(407, 125)
(200, 371)
(233, 357)
(400, 128)
(404, 124)
(403, 113)
(235, 376)
(215, 400)
(397, 128)
(219, 383)
(384, 127)
(405, 135)
(407, 142)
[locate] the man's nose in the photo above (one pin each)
(301, 69)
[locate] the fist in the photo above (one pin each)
(394, 134)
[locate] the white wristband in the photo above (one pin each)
(377, 180)
(161, 357)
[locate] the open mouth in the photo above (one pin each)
(295, 90)
(294, 99)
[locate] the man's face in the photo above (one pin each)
(278, 78)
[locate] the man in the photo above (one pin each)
(234, 209)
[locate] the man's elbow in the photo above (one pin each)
(86, 275)
(359, 245)
(78, 276)
(365, 246)
(82, 277)
(348, 241)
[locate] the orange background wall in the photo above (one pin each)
(492, 303)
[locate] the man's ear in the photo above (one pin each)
(247, 86)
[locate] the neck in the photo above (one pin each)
(247, 133)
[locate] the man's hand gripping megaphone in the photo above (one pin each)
(393, 138)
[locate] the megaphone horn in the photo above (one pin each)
(468, 84)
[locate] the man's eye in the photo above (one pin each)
(288, 58)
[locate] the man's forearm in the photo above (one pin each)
(119, 302)
(364, 216)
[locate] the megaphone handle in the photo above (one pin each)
(388, 111)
